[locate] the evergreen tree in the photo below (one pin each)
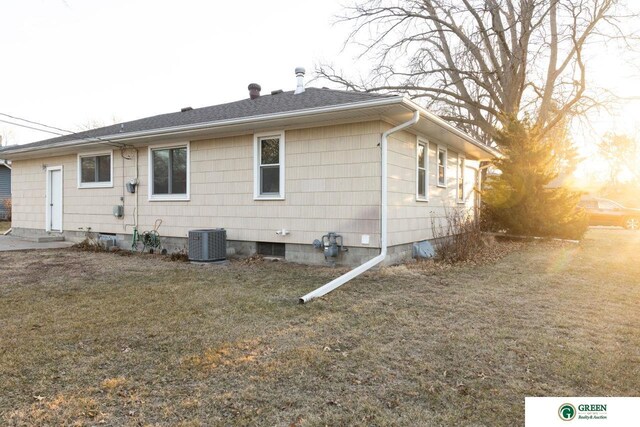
(519, 200)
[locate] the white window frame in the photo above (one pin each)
(168, 197)
(446, 159)
(105, 184)
(256, 165)
(460, 166)
(425, 143)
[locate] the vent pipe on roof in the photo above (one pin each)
(300, 76)
(254, 90)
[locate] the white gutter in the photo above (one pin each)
(180, 129)
(450, 128)
(323, 290)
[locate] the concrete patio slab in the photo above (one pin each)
(14, 243)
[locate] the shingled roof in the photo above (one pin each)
(267, 104)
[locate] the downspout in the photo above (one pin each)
(136, 192)
(135, 215)
(323, 290)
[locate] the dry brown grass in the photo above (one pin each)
(101, 339)
(4, 226)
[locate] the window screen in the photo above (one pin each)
(270, 165)
(442, 166)
(95, 169)
(422, 176)
(170, 170)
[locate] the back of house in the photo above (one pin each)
(276, 171)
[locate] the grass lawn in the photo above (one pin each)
(135, 340)
(4, 226)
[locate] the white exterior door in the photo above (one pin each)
(54, 199)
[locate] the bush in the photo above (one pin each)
(459, 239)
(180, 256)
(90, 242)
(90, 245)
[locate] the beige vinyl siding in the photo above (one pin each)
(332, 184)
(410, 220)
(81, 207)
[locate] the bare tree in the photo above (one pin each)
(6, 135)
(622, 153)
(97, 123)
(477, 62)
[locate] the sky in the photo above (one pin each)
(75, 64)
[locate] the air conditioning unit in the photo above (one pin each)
(208, 245)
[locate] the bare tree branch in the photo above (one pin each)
(479, 61)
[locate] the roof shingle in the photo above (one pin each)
(267, 104)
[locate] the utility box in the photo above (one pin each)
(118, 211)
(131, 186)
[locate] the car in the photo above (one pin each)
(608, 212)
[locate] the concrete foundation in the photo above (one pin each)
(298, 253)
(354, 256)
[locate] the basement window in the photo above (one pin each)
(269, 166)
(95, 170)
(270, 249)
(169, 172)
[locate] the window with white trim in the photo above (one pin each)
(95, 170)
(169, 172)
(442, 167)
(422, 170)
(460, 177)
(269, 166)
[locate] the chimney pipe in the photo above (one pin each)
(300, 76)
(254, 90)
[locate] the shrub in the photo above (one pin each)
(90, 242)
(459, 239)
(180, 256)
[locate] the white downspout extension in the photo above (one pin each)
(323, 290)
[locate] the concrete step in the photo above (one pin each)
(46, 239)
